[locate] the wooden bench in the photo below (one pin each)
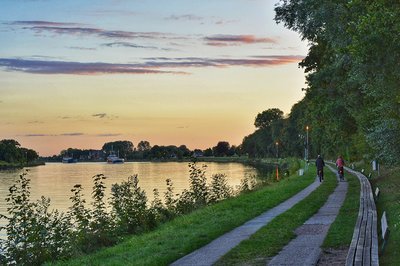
(364, 245)
(385, 230)
(377, 192)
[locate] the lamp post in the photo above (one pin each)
(307, 143)
(306, 150)
(277, 160)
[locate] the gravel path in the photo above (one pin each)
(305, 248)
(210, 253)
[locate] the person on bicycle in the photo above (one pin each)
(319, 163)
(340, 166)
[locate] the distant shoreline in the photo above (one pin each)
(11, 166)
(241, 159)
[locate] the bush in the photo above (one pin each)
(129, 207)
(34, 235)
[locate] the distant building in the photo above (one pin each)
(96, 155)
(198, 153)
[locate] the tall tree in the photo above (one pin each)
(265, 118)
(124, 148)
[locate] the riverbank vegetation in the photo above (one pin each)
(187, 233)
(12, 155)
(36, 234)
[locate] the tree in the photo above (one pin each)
(264, 119)
(208, 152)
(124, 148)
(222, 149)
(143, 146)
(12, 152)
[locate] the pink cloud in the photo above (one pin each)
(236, 40)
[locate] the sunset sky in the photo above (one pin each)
(82, 73)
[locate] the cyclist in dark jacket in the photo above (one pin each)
(319, 163)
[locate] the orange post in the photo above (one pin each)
(277, 173)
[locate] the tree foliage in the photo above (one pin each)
(352, 96)
(12, 152)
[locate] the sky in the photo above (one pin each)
(82, 73)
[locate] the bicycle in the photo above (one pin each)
(320, 175)
(341, 173)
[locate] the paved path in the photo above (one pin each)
(305, 248)
(210, 253)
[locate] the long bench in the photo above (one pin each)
(364, 245)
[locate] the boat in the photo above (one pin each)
(69, 160)
(113, 158)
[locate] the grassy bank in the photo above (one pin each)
(187, 233)
(10, 166)
(341, 231)
(389, 200)
(269, 240)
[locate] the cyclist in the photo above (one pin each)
(319, 163)
(340, 165)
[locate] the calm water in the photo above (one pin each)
(55, 180)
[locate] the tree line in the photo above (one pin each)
(11, 152)
(352, 98)
(144, 151)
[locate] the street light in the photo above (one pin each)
(307, 143)
(277, 161)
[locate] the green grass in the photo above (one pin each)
(341, 231)
(187, 233)
(270, 239)
(389, 201)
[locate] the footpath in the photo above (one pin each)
(303, 250)
(213, 251)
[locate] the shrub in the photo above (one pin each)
(129, 207)
(219, 188)
(34, 235)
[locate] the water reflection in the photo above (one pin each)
(55, 180)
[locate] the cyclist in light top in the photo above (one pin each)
(340, 165)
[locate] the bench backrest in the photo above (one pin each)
(384, 225)
(377, 192)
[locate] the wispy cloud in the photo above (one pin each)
(53, 135)
(133, 45)
(225, 40)
(77, 68)
(225, 21)
(82, 48)
(150, 66)
(41, 27)
(187, 17)
(108, 135)
(118, 13)
(254, 61)
(101, 115)
(42, 23)
(37, 135)
(72, 134)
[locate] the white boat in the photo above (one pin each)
(113, 158)
(68, 160)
